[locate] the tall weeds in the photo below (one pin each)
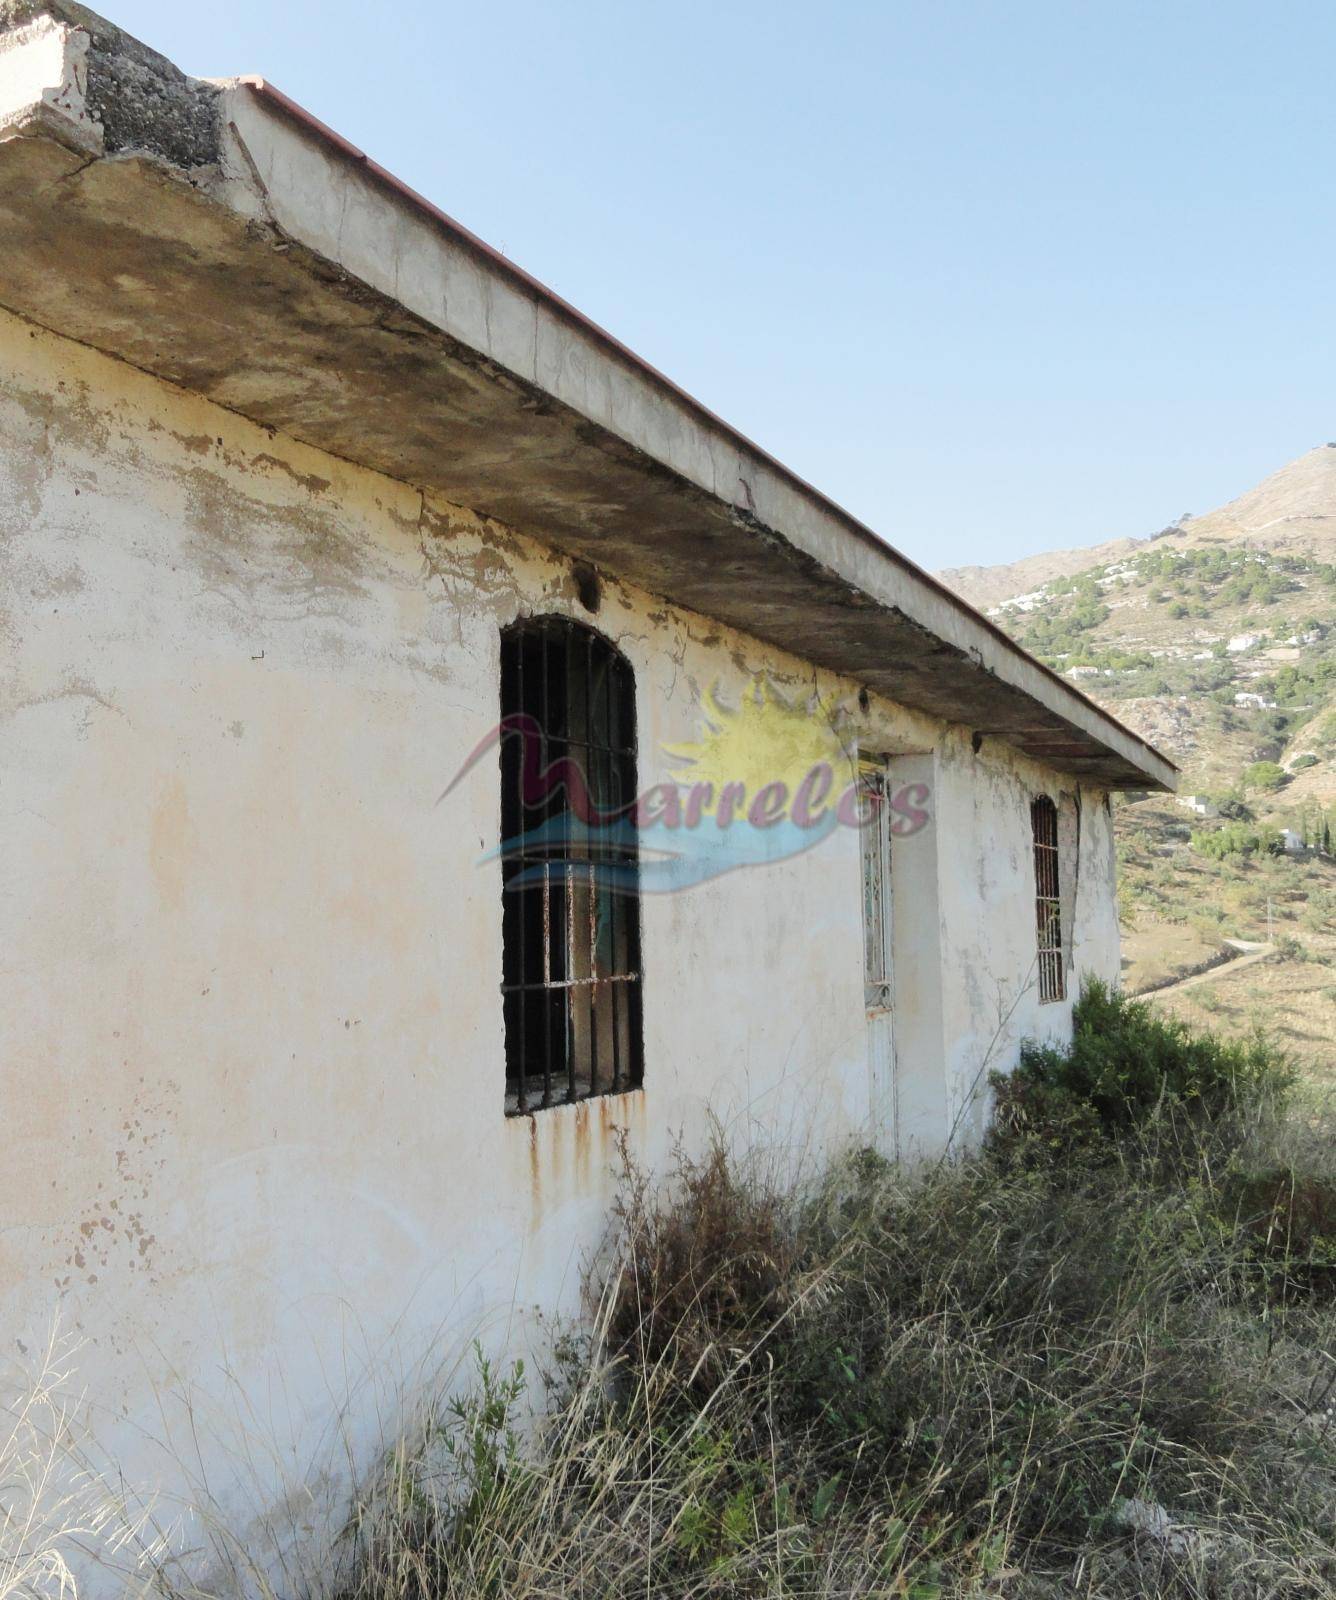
(1097, 1358)
(1107, 1374)
(56, 1508)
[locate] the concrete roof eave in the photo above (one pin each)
(217, 236)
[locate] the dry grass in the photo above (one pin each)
(1291, 998)
(983, 1378)
(1179, 906)
(57, 1509)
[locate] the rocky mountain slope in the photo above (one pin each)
(1294, 509)
(987, 587)
(1217, 640)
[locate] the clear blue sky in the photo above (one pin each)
(998, 278)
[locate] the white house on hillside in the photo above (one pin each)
(437, 749)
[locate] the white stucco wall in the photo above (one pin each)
(252, 1034)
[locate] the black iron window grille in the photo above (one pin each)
(571, 980)
(1048, 900)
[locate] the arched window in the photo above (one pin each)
(1048, 899)
(571, 909)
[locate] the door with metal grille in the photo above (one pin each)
(878, 993)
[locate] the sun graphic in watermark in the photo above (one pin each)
(767, 757)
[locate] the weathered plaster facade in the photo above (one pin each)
(251, 1031)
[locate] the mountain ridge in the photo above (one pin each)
(1292, 509)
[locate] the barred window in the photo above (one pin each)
(570, 873)
(1047, 900)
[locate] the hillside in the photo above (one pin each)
(1292, 510)
(1216, 640)
(987, 587)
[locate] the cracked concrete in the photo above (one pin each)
(137, 98)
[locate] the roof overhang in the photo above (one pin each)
(217, 236)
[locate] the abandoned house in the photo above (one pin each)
(436, 749)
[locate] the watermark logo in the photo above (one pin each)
(764, 781)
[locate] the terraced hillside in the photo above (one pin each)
(1217, 640)
(1293, 511)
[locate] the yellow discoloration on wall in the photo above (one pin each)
(170, 843)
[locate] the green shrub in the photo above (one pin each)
(1124, 1061)
(1207, 919)
(1232, 805)
(1264, 775)
(1233, 839)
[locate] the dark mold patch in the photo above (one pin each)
(588, 587)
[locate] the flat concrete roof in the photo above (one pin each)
(215, 234)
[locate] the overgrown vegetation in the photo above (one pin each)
(1095, 1358)
(1123, 1063)
(1264, 775)
(1233, 839)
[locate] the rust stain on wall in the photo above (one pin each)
(581, 1138)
